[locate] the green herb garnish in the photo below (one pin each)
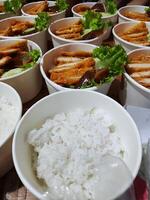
(148, 37)
(34, 55)
(42, 21)
(147, 9)
(62, 5)
(111, 6)
(92, 21)
(12, 5)
(114, 58)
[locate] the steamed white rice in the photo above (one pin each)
(69, 147)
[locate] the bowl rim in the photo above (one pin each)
(19, 171)
(124, 41)
(92, 3)
(68, 40)
(130, 6)
(128, 77)
(55, 85)
(20, 110)
(17, 18)
(37, 2)
(36, 64)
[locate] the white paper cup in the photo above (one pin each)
(119, 28)
(29, 82)
(38, 37)
(134, 93)
(135, 8)
(113, 18)
(65, 22)
(54, 17)
(48, 60)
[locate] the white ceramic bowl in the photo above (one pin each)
(112, 18)
(6, 140)
(38, 37)
(54, 17)
(65, 22)
(64, 102)
(48, 61)
(29, 82)
(119, 28)
(136, 94)
(135, 8)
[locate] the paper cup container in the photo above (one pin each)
(119, 28)
(113, 18)
(65, 22)
(38, 37)
(54, 17)
(28, 83)
(136, 94)
(6, 140)
(48, 61)
(135, 8)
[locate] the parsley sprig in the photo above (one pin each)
(111, 6)
(42, 21)
(62, 5)
(12, 5)
(92, 21)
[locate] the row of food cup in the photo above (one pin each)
(40, 38)
(134, 23)
(31, 78)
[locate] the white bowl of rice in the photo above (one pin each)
(64, 135)
(10, 114)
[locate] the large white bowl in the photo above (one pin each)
(64, 102)
(54, 17)
(48, 61)
(135, 8)
(29, 82)
(112, 18)
(38, 37)
(65, 22)
(136, 94)
(6, 140)
(120, 28)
